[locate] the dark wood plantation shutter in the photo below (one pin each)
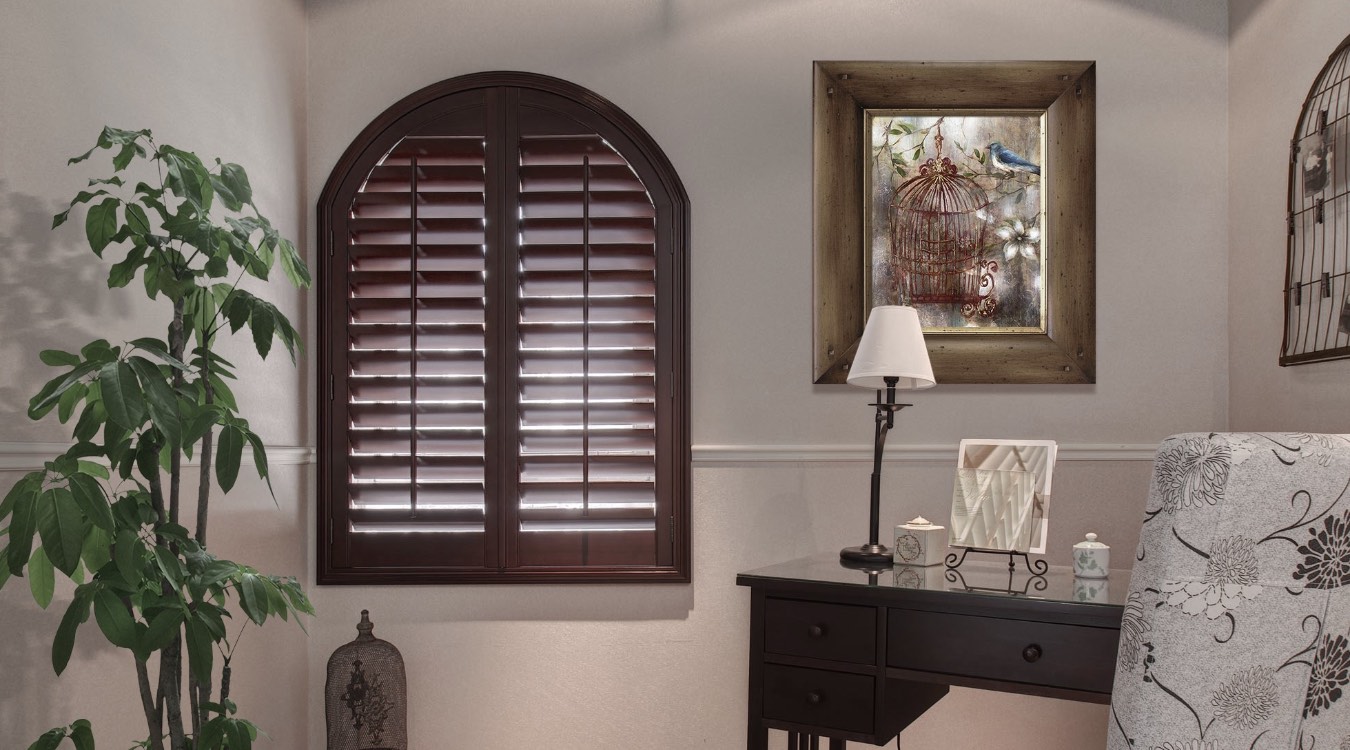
(504, 329)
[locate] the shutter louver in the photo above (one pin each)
(416, 391)
(587, 356)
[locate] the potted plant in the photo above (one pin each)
(107, 513)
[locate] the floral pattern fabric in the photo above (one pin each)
(1236, 629)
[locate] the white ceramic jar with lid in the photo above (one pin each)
(1091, 558)
(919, 542)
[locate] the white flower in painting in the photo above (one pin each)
(1019, 238)
(1230, 579)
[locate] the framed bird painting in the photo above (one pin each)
(967, 190)
(955, 217)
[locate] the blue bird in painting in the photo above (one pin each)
(1006, 159)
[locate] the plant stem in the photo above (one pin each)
(152, 716)
(177, 342)
(170, 683)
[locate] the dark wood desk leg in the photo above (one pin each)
(837, 744)
(757, 733)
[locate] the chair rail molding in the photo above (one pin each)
(27, 456)
(910, 452)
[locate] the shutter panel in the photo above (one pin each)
(586, 374)
(504, 325)
(416, 345)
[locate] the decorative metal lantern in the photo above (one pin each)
(1317, 261)
(938, 237)
(366, 697)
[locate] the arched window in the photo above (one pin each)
(503, 330)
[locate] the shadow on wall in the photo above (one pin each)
(30, 694)
(50, 294)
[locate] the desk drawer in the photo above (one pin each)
(1037, 653)
(837, 632)
(818, 697)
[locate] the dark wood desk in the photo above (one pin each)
(844, 654)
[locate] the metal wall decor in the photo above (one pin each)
(366, 696)
(1317, 266)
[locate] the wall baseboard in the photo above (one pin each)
(22, 456)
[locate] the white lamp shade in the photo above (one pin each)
(892, 346)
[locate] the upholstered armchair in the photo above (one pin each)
(1236, 633)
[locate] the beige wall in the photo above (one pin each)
(1277, 48)
(723, 87)
(223, 79)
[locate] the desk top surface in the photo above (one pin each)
(989, 582)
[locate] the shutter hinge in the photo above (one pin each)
(330, 386)
(672, 530)
(672, 385)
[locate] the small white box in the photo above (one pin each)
(919, 542)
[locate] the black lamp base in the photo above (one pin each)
(870, 554)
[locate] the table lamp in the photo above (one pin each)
(891, 355)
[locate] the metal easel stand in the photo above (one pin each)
(1035, 567)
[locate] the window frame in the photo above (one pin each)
(672, 235)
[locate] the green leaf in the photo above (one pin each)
(72, 396)
(86, 427)
(64, 642)
(230, 451)
(99, 352)
(91, 501)
(169, 566)
(163, 627)
(253, 597)
(82, 735)
(292, 264)
(4, 569)
(101, 224)
(232, 186)
(41, 578)
(127, 555)
(62, 527)
(114, 619)
(262, 324)
(58, 358)
(122, 395)
(124, 157)
(137, 221)
(157, 348)
(21, 530)
(260, 460)
(49, 740)
(97, 549)
(94, 470)
(50, 395)
(30, 485)
(199, 650)
(160, 400)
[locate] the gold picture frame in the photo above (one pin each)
(843, 94)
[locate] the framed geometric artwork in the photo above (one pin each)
(965, 190)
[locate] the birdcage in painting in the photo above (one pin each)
(366, 697)
(1317, 270)
(937, 239)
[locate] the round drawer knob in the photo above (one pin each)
(1031, 653)
(815, 697)
(816, 631)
